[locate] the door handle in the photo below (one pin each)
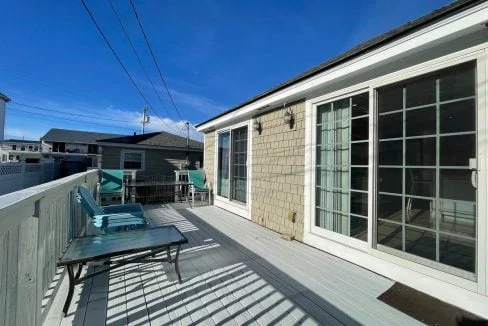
(473, 166)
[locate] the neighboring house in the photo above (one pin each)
(378, 156)
(16, 150)
(3, 101)
(153, 154)
(77, 149)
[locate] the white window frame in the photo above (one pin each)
(334, 242)
(130, 151)
(237, 207)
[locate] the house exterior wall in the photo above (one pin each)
(156, 162)
(277, 179)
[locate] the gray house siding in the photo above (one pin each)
(157, 162)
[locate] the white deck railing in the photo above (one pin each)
(35, 226)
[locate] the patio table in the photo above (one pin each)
(144, 243)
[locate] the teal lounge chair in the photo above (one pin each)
(197, 180)
(111, 213)
(112, 185)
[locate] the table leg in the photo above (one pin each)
(70, 290)
(168, 253)
(78, 272)
(176, 263)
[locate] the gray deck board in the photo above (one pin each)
(234, 273)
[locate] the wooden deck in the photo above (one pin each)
(234, 273)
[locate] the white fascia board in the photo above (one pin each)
(461, 21)
(154, 147)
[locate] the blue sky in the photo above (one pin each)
(213, 55)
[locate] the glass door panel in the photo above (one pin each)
(239, 163)
(223, 175)
(341, 166)
(426, 202)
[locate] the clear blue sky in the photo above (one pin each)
(213, 54)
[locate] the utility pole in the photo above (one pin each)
(145, 119)
(187, 126)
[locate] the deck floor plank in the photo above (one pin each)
(234, 273)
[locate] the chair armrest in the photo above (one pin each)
(99, 188)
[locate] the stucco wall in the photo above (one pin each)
(278, 172)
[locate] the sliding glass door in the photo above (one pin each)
(426, 198)
(232, 164)
(341, 197)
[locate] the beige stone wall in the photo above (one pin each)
(278, 172)
(209, 157)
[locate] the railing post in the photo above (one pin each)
(28, 300)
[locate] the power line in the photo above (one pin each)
(67, 119)
(137, 56)
(64, 112)
(155, 61)
(120, 61)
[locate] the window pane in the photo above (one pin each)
(458, 116)
(360, 129)
(360, 104)
(420, 242)
(359, 228)
(420, 182)
(132, 165)
(420, 92)
(390, 234)
(133, 157)
(457, 252)
(390, 126)
(420, 152)
(420, 212)
(458, 217)
(391, 152)
(359, 178)
(421, 122)
(390, 180)
(359, 203)
(390, 98)
(359, 154)
(324, 112)
(456, 184)
(457, 150)
(390, 207)
(458, 82)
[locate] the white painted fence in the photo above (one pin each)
(16, 176)
(35, 226)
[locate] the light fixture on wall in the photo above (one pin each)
(256, 125)
(288, 116)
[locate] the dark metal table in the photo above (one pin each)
(151, 241)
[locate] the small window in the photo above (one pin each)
(22, 148)
(132, 160)
(36, 148)
(30, 148)
(14, 147)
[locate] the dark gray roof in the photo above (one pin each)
(4, 97)
(376, 42)
(75, 136)
(161, 139)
